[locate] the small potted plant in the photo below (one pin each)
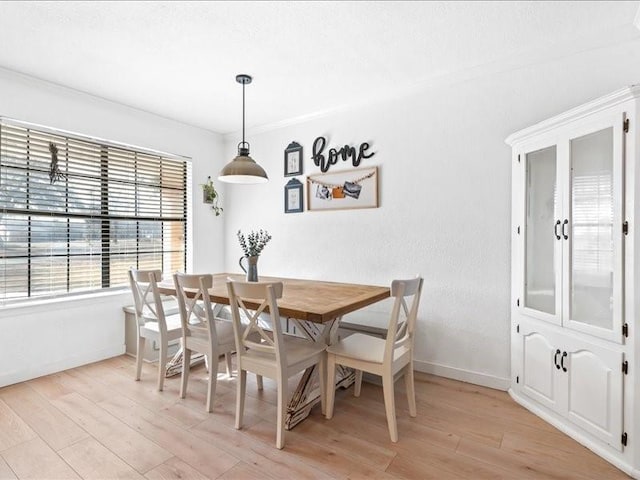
(210, 195)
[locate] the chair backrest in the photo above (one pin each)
(403, 317)
(147, 299)
(196, 315)
(254, 335)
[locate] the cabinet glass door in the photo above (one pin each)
(594, 247)
(542, 212)
(592, 229)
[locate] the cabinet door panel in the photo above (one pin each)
(593, 253)
(594, 397)
(539, 376)
(542, 249)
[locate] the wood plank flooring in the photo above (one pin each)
(96, 422)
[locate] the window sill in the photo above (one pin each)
(66, 301)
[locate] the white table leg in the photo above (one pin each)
(307, 393)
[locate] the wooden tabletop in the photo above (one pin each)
(311, 300)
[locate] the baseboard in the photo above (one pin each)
(61, 365)
(468, 376)
(576, 434)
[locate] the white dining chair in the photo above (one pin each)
(263, 349)
(383, 357)
(201, 331)
(152, 324)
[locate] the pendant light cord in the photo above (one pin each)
(243, 142)
(243, 146)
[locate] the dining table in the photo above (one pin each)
(309, 308)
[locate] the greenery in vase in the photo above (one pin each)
(211, 196)
(253, 244)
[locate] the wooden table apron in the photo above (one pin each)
(315, 308)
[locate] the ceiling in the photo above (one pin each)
(179, 59)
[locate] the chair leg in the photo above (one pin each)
(162, 363)
(357, 384)
(322, 365)
(282, 410)
(213, 380)
(227, 358)
(389, 404)
(240, 392)
(331, 385)
(139, 354)
(186, 365)
(259, 382)
(411, 389)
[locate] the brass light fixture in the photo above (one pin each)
(243, 168)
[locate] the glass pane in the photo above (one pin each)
(592, 229)
(15, 278)
(119, 266)
(85, 273)
(48, 276)
(540, 287)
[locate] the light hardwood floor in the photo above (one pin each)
(95, 422)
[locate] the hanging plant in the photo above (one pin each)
(210, 195)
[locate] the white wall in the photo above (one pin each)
(444, 193)
(444, 201)
(47, 338)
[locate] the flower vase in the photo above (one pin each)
(252, 268)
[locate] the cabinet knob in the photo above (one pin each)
(555, 359)
(555, 229)
(564, 355)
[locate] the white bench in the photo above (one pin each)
(151, 349)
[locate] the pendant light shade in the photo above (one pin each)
(243, 168)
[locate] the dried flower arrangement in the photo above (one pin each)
(54, 169)
(253, 244)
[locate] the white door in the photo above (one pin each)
(592, 227)
(540, 364)
(594, 382)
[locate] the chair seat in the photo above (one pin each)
(224, 331)
(298, 350)
(174, 328)
(364, 347)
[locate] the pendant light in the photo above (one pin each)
(243, 168)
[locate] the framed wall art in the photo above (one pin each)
(293, 159)
(293, 196)
(347, 189)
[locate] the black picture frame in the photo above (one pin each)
(293, 198)
(293, 159)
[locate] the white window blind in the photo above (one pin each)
(111, 208)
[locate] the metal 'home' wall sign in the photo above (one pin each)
(345, 153)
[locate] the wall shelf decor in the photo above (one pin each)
(293, 196)
(293, 159)
(343, 190)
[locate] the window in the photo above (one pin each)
(110, 208)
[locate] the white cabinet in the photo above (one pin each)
(575, 179)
